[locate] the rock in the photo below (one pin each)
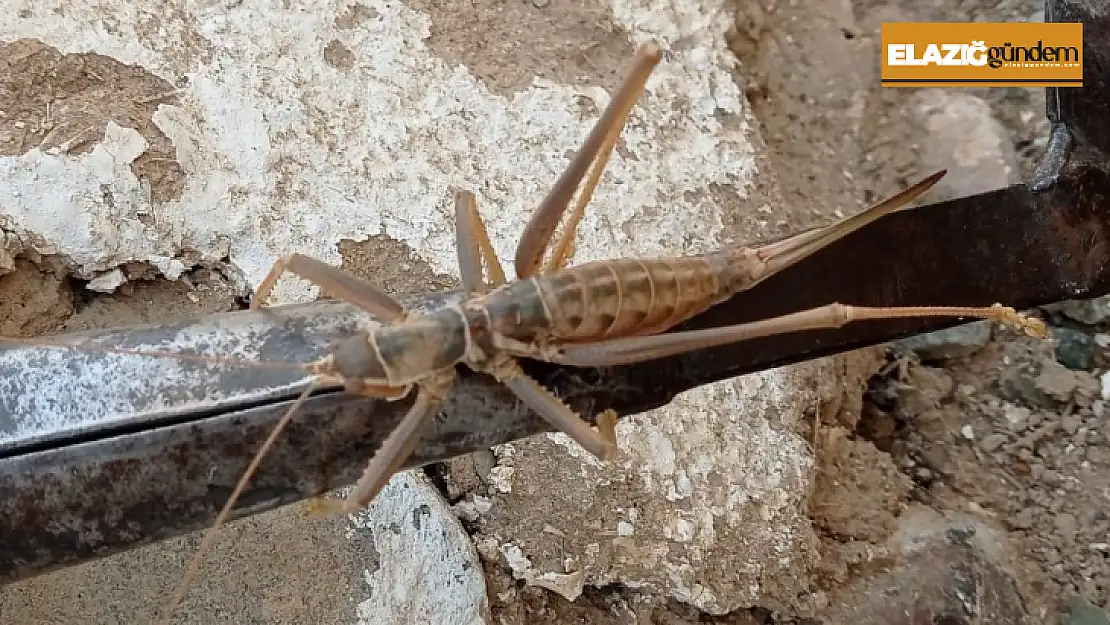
(1071, 423)
(992, 442)
(1016, 416)
(705, 504)
(964, 138)
(107, 282)
(1066, 526)
(421, 566)
(1047, 384)
(568, 585)
(1098, 455)
(937, 458)
(1104, 385)
(949, 343)
(952, 569)
(1079, 611)
(1075, 349)
(1091, 312)
(1019, 384)
(1023, 520)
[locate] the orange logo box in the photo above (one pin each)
(988, 54)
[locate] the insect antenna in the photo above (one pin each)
(206, 543)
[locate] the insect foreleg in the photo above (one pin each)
(400, 444)
(638, 349)
(333, 281)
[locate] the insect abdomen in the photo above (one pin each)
(610, 299)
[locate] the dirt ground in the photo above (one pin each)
(1007, 433)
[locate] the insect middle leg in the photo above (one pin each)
(473, 244)
(589, 162)
(401, 442)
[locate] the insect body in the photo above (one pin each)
(599, 313)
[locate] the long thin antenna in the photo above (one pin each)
(210, 536)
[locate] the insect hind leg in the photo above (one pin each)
(590, 160)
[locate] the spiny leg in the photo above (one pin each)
(541, 227)
(473, 243)
(396, 448)
(558, 414)
(332, 280)
(638, 349)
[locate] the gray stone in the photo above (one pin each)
(944, 569)
(422, 568)
(964, 138)
(1075, 349)
(1079, 611)
(948, 343)
(992, 442)
(1090, 312)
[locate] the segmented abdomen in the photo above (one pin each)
(627, 297)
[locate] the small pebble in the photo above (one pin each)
(968, 432)
(1066, 526)
(992, 442)
(1098, 455)
(1089, 312)
(954, 342)
(1071, 424)
(1023, 520)
(1075, 349)
(1036, 471)
(1017, 416)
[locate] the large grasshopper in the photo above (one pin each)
(596, 314)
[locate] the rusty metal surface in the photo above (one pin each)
(101, 453)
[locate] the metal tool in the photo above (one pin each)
(102, 452)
